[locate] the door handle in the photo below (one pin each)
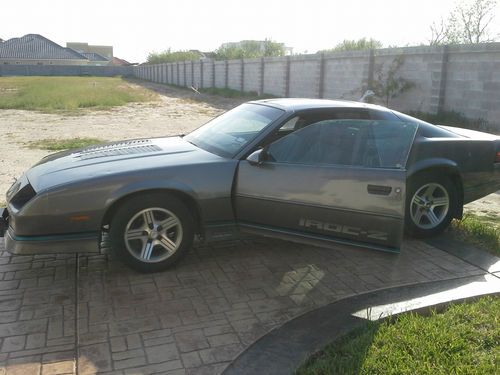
(379, 189)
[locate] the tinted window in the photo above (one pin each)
(425, 129)
(362, 143)
(227, 134)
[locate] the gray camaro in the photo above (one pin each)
(315, 171)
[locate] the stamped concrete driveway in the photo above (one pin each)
(71, 314)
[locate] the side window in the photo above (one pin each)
(324, 142)
(360, 143)
(392, 141)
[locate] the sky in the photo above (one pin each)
(136, 28)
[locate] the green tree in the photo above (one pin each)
(387, 84)
(468, 23)
(250, 49)
(172, 56)
(355, 45)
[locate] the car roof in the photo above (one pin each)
(299, 104)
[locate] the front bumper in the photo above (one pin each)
(58, 244)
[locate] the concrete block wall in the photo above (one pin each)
(275, 76)
(422, 66)
(252, 79)
(182, 74)
(304, 77)
(66, 70)
(473, 81)
(167, 72)
(464, 78)
(208, 73)
(197, 74)
(220, 74)
(234, 74)
(346, 75)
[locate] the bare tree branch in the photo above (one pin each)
(468, 23)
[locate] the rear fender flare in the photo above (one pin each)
(434, 163)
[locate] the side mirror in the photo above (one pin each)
(257, 157)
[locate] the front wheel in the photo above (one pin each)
(152, 232)
(430, 205)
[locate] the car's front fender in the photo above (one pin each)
(148, 185)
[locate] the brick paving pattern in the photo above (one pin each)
(193, 319)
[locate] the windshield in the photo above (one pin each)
(227, 134)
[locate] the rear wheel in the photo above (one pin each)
(431, 202)
(152, 232)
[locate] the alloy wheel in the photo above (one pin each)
(429, 206)
(153, 235)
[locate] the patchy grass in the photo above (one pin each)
(483, 231)
(49, 94)
(465, 339)
(230, 93)
(64, 144)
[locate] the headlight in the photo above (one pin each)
(13, 188)
(23, 196)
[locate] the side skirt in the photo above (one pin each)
(308, 238)
(227, 231)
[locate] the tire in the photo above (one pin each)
(430, 205)
(151, 233)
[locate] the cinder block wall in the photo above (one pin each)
(473, 81)
(67, 70)
(346, 75)
(463, 78)
(275, 76)
(304, 76)
(234, 72)
(252, 79)
(220, 74)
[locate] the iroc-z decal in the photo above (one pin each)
(345, 229)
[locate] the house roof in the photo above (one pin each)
(36, 47)
(92, 56)
(118, 61)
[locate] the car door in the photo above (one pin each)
(332, 180)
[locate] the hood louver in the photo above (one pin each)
(141, 146)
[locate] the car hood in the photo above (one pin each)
(115, 158)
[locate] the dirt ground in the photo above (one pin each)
(177, 111)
